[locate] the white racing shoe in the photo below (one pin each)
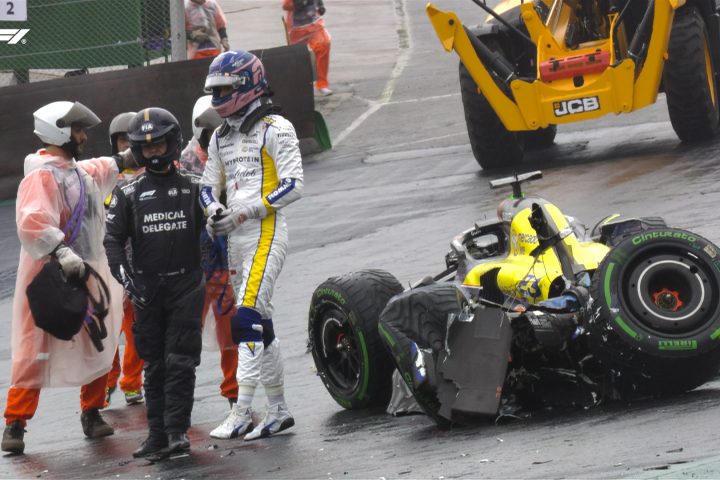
(237, 423)
(277, 419)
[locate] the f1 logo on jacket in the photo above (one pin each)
(11, 36)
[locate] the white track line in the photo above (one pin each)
(402, 61)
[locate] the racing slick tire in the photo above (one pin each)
(689, 79)
(655, 318)
(343, 337)
(492, 144)
(418, 319)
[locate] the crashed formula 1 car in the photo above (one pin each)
(530, 312)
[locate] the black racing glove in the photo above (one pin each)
(134, 289)
(300, 4)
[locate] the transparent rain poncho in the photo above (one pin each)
(46, 198)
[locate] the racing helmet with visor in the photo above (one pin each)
(242, 71)
(153, 126)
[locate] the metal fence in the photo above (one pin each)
(74, 37)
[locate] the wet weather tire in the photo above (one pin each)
(419, 316)
(655, 323)
(492, 144)
(688, 77)
(343, 337)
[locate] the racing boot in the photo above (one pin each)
(13, 435)
(277, 419)
(153, 444)
(93, 424)
(238, 422)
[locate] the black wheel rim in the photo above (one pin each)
(339, 351)
(669, 294)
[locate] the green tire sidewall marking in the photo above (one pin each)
(386, 335)
(715, 334)
(343, 403)
(626, 328)
(675, 345)
(608, 302)
(331, 293)
(362, 393)
(649, 236)
(606, 285)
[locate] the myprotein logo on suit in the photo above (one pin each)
(11, 36)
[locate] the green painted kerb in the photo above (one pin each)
(625, 327)
(606, 286)
(366, 374)
(388, 338)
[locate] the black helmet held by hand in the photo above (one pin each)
(151, 126)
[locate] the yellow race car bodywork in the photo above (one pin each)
(528, 277)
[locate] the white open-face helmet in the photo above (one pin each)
(53, 122)
(204, 116)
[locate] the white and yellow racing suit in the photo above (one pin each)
(256, 159)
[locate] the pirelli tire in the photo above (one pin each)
(492, 144)
(689, 78)
(655, 318)
(350, 358)
(420, 316)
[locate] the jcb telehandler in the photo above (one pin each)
(539, 63)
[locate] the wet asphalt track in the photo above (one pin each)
(398, 186)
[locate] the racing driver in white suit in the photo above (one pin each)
(254, 156)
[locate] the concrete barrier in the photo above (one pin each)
(174, 86)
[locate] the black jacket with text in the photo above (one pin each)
(162, 217)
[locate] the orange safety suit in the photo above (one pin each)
(308, 27)
(46, 198)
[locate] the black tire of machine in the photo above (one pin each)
(343, 337)
(655, 319)
(540, 138)
(688, 77)
(492, 144)
(419, 315)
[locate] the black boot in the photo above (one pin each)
(178, 442)
(93, 425)
(151, 445)
(12, 440)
